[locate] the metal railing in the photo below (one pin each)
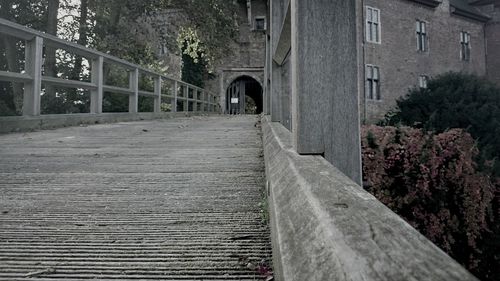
(33, 78)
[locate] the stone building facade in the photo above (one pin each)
(406, 42)
(401, 44)
(240, 75)
(492, 34)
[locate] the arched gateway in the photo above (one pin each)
(244, 96)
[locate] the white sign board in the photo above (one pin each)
(234, 100)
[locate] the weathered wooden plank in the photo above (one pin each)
(68, 83)
(324, 87)
(14, 77)
(157, 93)
(119, 90)
(33, 88)
(282, 49)
(157, 200)
(133, 101)
(97, 78)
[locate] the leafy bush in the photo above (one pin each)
(433, 183)
(456, 100)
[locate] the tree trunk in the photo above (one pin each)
(82, 39)
(50, 56)
(14, 99)
(50, 104)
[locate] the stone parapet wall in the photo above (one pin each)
(326, 227)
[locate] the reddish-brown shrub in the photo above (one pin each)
(432, 182)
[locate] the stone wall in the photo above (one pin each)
(167, 23)
(248, 56)
(493, 43)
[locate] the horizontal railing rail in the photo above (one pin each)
(32, 77)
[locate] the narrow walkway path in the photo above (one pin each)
(155, 200)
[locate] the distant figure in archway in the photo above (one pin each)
(244, 96)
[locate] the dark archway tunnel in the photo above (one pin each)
(244, 96)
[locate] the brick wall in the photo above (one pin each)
(398, 59)
(493, 44)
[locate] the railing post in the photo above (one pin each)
(97, 79)
(173, 101)
(195, 98)
(209, 104)
(203, 101)
(157, 106)
(33, 66)
(325, 115)
(133, 104)
(186, 96)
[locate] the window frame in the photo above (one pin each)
(255, 23)
(422, 35)
(372, 83)
(423, 81)
(371, 25)
(465, 46)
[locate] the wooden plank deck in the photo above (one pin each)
(171, 199)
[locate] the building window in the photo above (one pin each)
(373, 82)
(421, 36)
(163, 49)
(464, 46)
(372, 25)
(422, 81)
(260, 23)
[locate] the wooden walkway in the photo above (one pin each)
(175, 199)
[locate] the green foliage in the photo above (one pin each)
(123, 28)
(114, 102)
(166, 107)
(194, 70)
(456, 100)
(432, 181)
(371, 141)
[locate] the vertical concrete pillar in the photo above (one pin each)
(157, 90)
(325, 117)
(33, 67)
(97, 78)
(133, 101)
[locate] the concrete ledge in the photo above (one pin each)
(27, 123)
(326, 227)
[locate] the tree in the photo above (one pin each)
(469, 102)
(51, 104)
(28, 13)
(123, 28)
(83, 36)
(456, 100)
